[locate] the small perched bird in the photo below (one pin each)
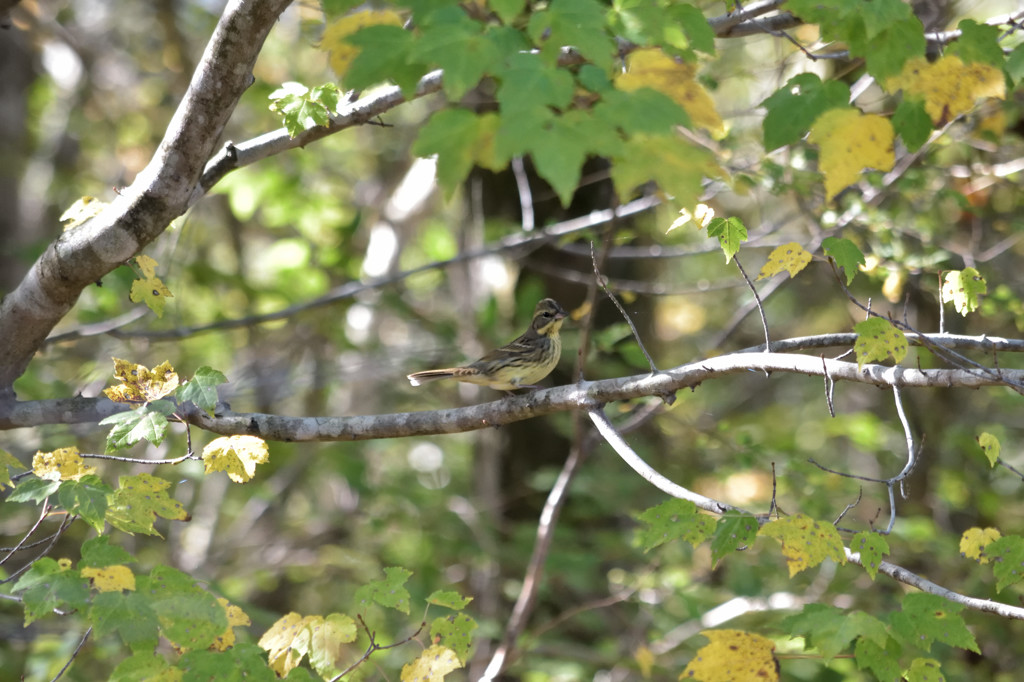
(519, 364)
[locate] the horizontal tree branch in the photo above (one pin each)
(585, 395)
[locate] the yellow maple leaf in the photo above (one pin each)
(237, 455)
(236, 618)
(140, 384)
(851, 142)
(652, 68)
(805, 542)
(791, 258)
(974, 541)
(146, 264)
(734, 655)
(433, 664)
(63, 464)
(948, 87)
(340, 53)
(151, 291)
(111, 578)
(277, 641)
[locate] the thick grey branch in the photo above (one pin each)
(585, 395)
(141, 212)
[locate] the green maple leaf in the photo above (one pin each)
(872, 547)
(139, 500)
(877, 341)
(455, 43)
(98, 553)
(831, 630)
(50, 584)
(201, 389)
(674, 520)
(576, 23)
(1007, 558)
(33, 490)
(189, 616)
(388, 592)
(678, 167)
(885, 32)
(560, 148)
(912, 122)
(128, 614)
(527, 82)
(384, 55)
(732, 532)
(452, 135)
(86, 497)
(964, 288)
(644, 111)
(882, 661)
(846, 255)
(796, 105)
(454, 632)
(927, 618)
(978, 43)
(731, 232)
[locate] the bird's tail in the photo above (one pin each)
(417, 378)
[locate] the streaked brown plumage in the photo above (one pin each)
(519, 364)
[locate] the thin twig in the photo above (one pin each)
(829, 388)
(374, 647)
(521, 240)
(136, 460)
(43, 512)
(851, 505)
(73, 654)
(757, 300)
(622, 311)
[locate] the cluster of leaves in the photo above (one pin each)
(167, 603)
(561, 107)
(889, 648)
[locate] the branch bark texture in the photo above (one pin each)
(141, 212)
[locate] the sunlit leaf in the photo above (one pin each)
(734, 655)
(791, 258)
(948, 87)
(236, 455)
(990, 446)
(974, 540)
(850, 143)
(432, 665)
(805, 541)
(964, 289)
(878, 341)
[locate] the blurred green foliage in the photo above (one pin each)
(461, 511)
